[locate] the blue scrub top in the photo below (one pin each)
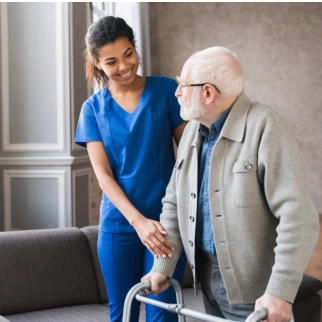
(139, 146)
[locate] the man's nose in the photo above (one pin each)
(178, 92)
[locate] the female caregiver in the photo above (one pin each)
(128, 128)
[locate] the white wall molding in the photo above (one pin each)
(4, 73)
(62, 87)
(75, 147)
(45, 161)
(79, 173)
(60, 175)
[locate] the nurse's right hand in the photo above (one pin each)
(152, 235)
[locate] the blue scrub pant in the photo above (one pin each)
(124, 260)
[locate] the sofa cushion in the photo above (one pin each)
(42, 269)
(91, 233)
(79, 313)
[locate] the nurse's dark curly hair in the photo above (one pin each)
(105, 31)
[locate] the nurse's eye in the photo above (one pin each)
(111, 63)
(129, 54)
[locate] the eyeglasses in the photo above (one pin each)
(181, 86)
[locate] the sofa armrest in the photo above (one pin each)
(2, 319)
(309, 286)
(91, 233)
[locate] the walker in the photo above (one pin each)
(138, 291)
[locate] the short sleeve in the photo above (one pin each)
(174, 107)
(87, 128)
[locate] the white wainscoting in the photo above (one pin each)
(62, 86)
(60, 175)
(79, 173)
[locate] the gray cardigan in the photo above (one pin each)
(264, 221)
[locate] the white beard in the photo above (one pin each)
(192, 109)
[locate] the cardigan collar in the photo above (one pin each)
(234, 127)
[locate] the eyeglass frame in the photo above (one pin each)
(190, 85)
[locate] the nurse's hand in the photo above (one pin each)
(152, 235)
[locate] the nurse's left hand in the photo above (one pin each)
(152, 235)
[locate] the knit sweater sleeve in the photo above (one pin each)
(297, 232)
(169, 220)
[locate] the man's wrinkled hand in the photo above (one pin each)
(278, 309)
(155, 278)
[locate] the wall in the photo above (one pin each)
(45, 179)
(279, 46)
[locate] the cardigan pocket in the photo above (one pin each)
(248, 191)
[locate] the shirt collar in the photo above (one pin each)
(215, 127)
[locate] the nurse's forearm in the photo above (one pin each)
(118, 198)
(149, 231)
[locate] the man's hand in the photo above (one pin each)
(156, 279)
(278, 309)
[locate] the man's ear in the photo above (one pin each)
(209, 93)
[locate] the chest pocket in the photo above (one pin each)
(248, 191)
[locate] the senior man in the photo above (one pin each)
(237, 200)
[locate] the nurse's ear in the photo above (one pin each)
(98, 66)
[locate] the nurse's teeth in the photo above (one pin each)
(127, 74)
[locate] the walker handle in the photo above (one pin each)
(178, 308)
(147, 285)
(260, 315)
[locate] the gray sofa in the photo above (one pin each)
(53, 275)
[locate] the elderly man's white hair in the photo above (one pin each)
(217, 65)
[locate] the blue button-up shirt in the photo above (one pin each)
(204, 232)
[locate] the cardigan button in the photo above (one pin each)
(193, 195)
(248, 166)
(192, 218)
(191, 242)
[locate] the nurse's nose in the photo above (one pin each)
(122, 65)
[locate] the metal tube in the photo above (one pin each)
(147, 285)
(259, 315)
(179, 308)
(148, 300)
(129, 298)
(179, 296)
(202, 316)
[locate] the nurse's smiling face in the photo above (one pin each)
(119, 61)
